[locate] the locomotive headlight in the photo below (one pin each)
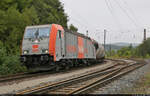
(46, 51)
(25, 52)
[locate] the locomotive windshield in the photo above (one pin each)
(37, 32)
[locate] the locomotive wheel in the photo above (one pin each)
(66, 66)
(88, 63)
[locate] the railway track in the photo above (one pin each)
(104, 80)
(20, 76)
(83, 83)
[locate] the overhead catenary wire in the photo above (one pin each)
(130, 18)
(133, 15)
(132, 12)
(110, 4)
(110, 8)
(83, 23)
(115, 19)
(84, 26)
(76, 13)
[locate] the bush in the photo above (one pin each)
(11, 65)
(142, 51)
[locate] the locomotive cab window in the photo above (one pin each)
(37, 32)
(59, 32)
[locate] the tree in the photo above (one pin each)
(50, 11)
(144, 48)
(73, 28)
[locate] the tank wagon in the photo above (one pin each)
(50, 46)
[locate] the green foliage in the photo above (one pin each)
(2, 52)
(11, 65)
(50, 11)
(73, 28)
(144, 48)
(142, 51)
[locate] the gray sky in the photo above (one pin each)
(123, 19)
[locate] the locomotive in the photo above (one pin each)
(51, 46)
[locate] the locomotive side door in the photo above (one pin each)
(62, 42)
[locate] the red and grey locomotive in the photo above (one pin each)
(50, 46)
